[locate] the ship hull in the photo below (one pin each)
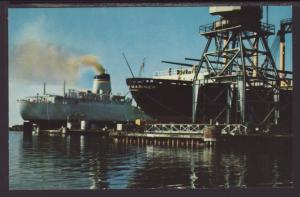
(53, 115)
(171, 101)
(165, 100)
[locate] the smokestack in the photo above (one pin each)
(101, 85)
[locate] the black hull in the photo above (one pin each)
(165, 100)
(171, 101)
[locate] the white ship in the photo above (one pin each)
(97, 107)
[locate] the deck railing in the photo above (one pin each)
(220, 24)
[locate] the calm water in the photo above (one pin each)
(83, 162)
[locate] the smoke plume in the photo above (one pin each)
(39, 61)
(91, 60)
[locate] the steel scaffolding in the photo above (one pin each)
(237, 55)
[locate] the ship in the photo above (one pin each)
(168, 97)
(98, 107)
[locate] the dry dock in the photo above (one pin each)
(236, 82)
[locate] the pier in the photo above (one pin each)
(176, 135)
(196, 135)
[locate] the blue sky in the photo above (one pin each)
(156, 33)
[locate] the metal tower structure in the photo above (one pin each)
(285, 27)
(237, 57)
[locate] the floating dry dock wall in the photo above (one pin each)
(196, 135)
(175, 135)
(191, 140)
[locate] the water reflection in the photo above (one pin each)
(86, 162)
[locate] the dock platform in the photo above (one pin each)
(170, 139)
(188, 135)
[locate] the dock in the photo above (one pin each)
(181, 135)
(197, 135)
(167, 139)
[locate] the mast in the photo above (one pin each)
(64, 88)
(128, 65)
(44, 88)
